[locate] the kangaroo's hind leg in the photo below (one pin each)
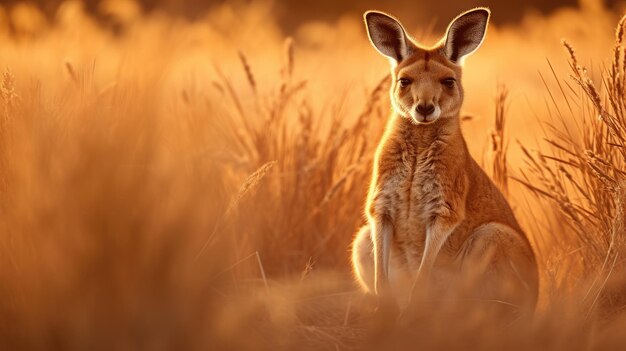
(363, 259)
(499, 266)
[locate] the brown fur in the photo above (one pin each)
(432, 211)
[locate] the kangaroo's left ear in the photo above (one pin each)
(387, 35)
(466, 33)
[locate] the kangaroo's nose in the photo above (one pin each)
(425, 109)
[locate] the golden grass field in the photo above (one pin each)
(168, 184)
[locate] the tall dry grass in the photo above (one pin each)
(163, 190)
(581, 172)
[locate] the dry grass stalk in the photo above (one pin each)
(248, 70)
(287, 70)
(251, 182)
(499, 145)
(71, 72)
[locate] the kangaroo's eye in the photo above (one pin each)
(448, 82)
(405, 82)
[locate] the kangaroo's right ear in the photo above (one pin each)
(466, 33)
(387, 35)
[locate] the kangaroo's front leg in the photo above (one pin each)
(382, 234)
(445, 217)
(436, 236)
(380, 212)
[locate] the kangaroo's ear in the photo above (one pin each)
(387, 35)
(466, 33)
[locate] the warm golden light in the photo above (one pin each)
(191, 175)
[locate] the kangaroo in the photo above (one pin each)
(431, 210)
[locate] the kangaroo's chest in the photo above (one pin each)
(417, 188)
(420, 187)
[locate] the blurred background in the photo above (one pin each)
(290, 13)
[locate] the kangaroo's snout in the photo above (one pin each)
(425, 109)
(426, 112)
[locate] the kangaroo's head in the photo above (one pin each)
(426, 82)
